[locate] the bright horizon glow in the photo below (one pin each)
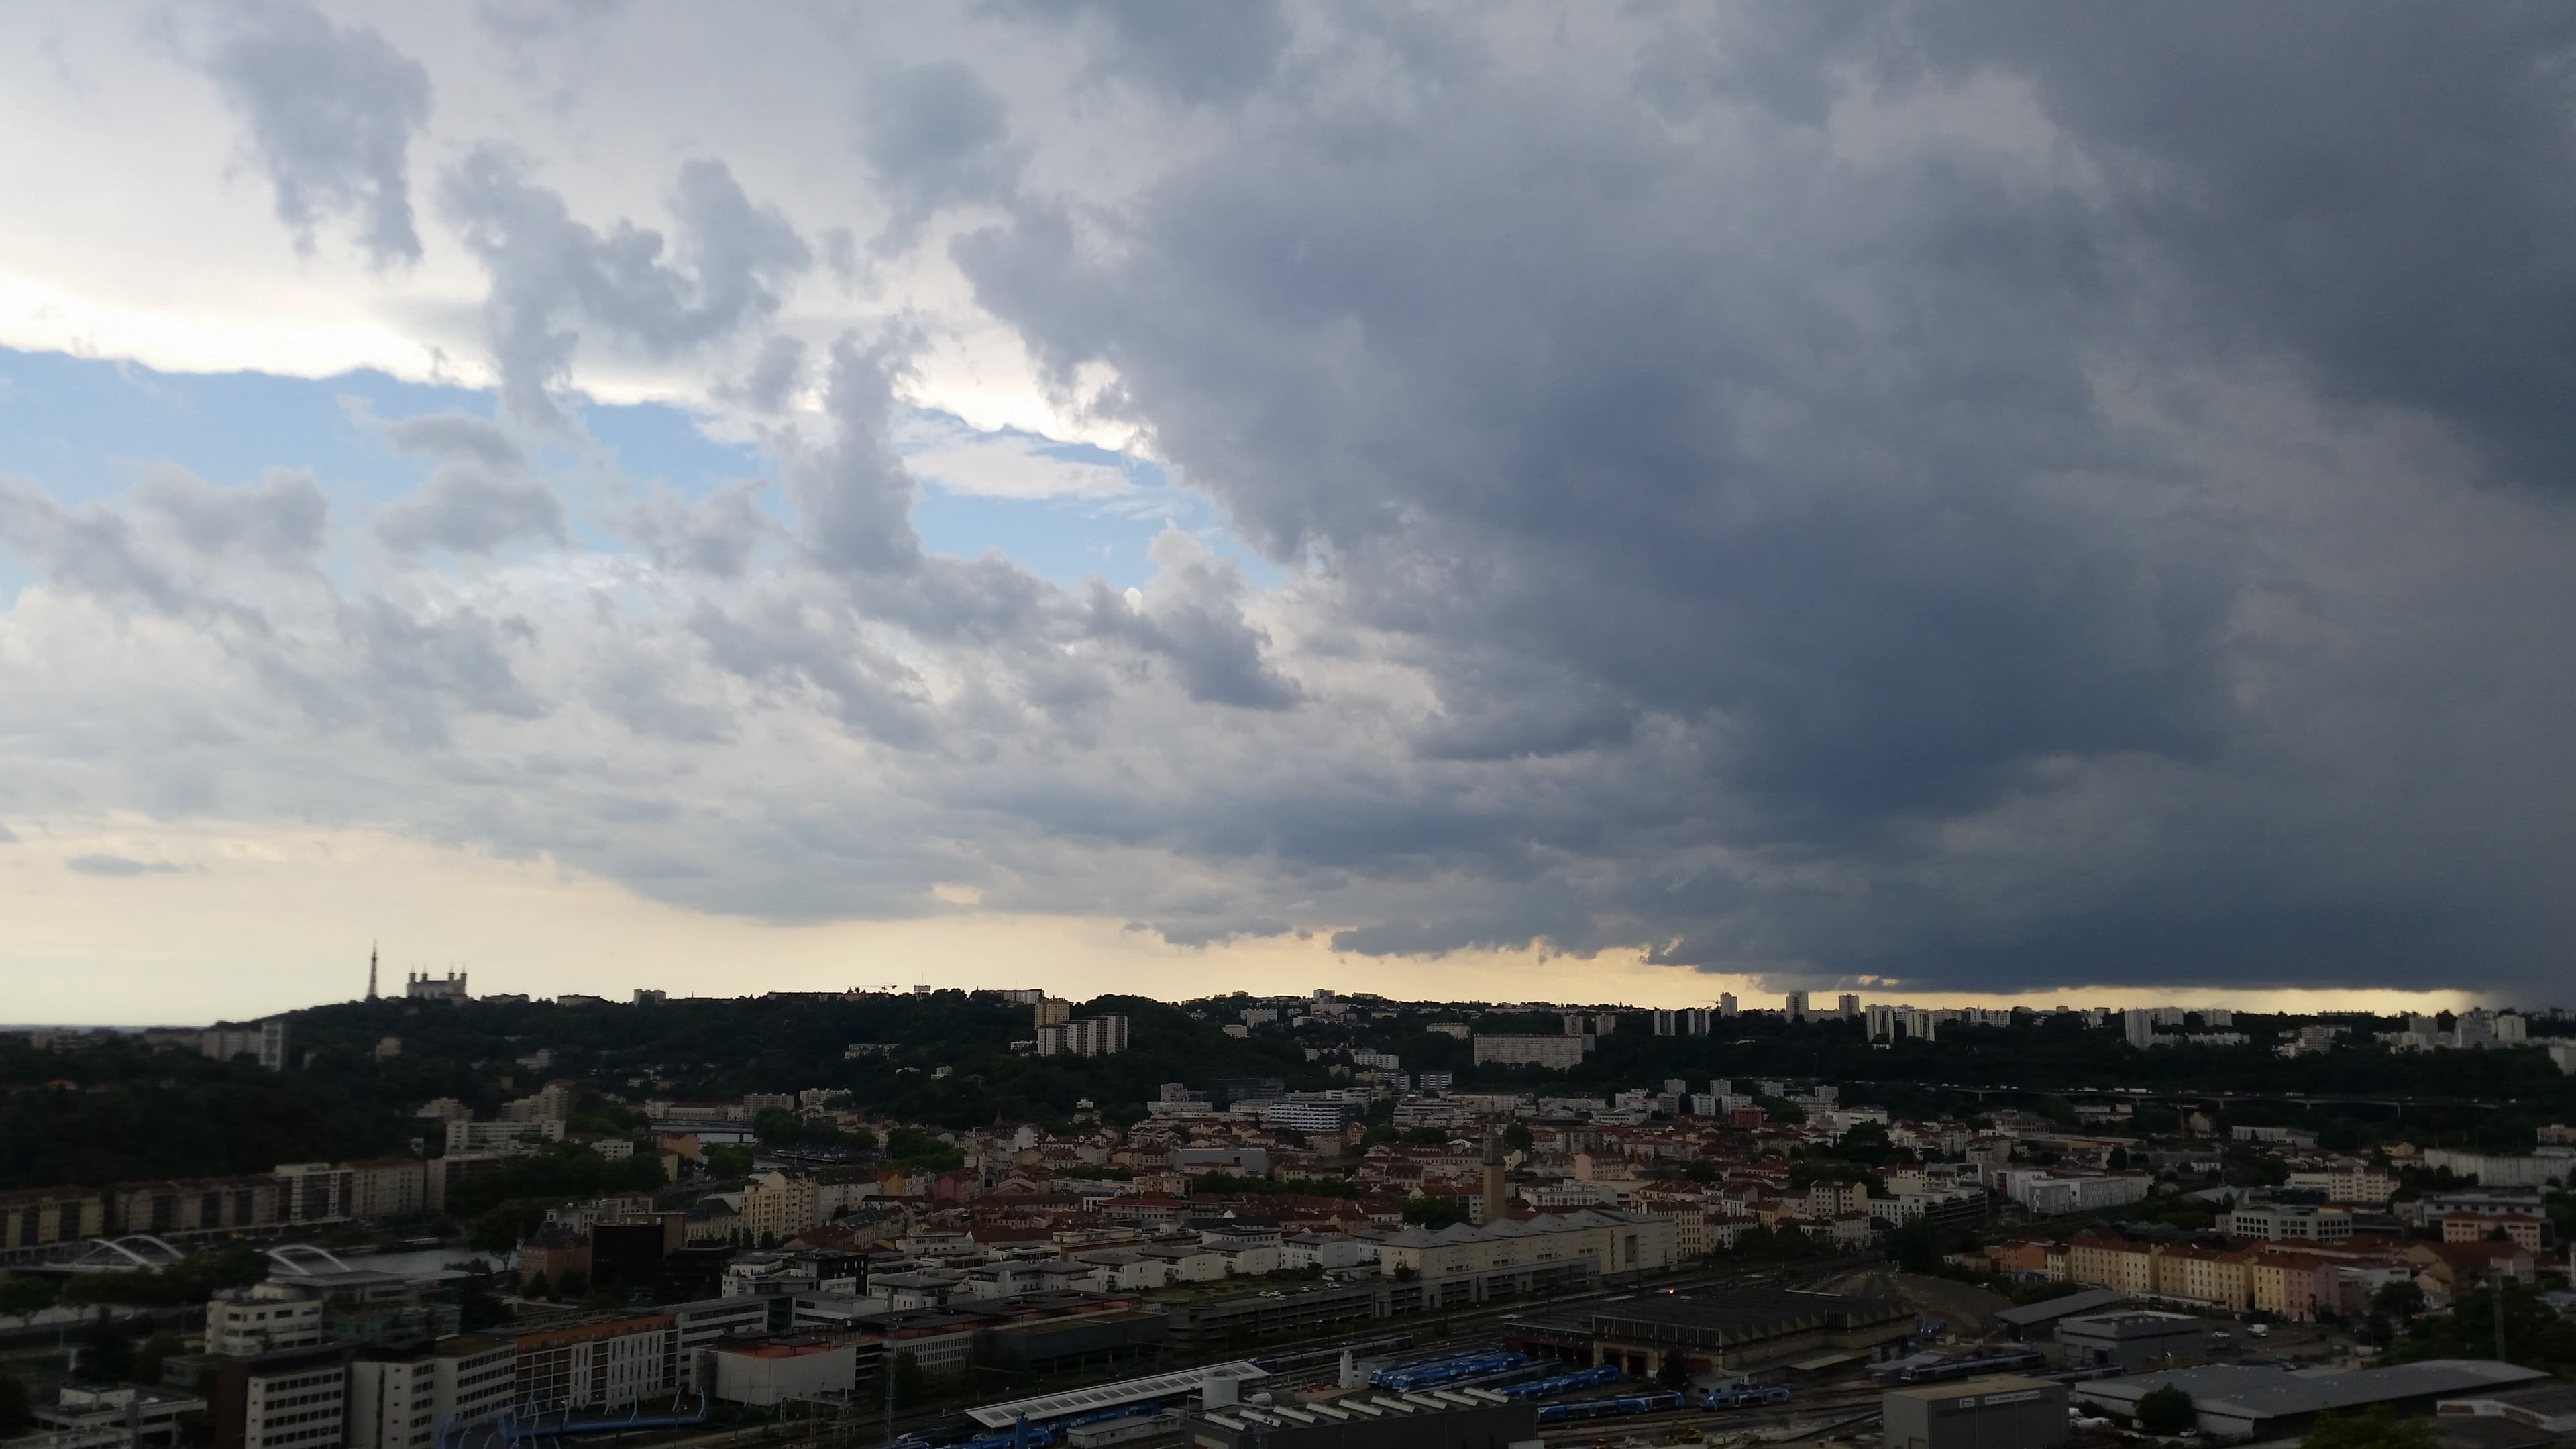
(230, 923)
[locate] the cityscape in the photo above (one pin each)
(1287, 724)
(423, 1217)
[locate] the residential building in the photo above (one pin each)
(2102, 1259)
(314, 1192)
(1310, 1112)
(1084, 1036)
(1616, 1242)
(288, 1399)
(501, 1136)
(699, 1326)
(2349, 1182)
(777, 1206)
(2289, 1223)
(1554, 1052)
(2138, 1028)
(1795, 1006)
(388, 1187)
(36, 1218)
(267, 1316)
(2517, 1228)
(2203, 1275)
(603, 1364)
(1051, 1011)
(401, 1400)
(264, 1041)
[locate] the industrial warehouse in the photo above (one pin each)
(1726, 1331)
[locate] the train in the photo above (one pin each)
(1443, 1371)
(1655, 1402)
(1965, 1368)
(1549, 1388)
(1748, 1397)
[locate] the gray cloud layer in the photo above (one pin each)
(1982, 498)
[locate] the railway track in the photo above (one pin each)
(1836, 1403)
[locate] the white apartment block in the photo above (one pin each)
(1084, 1036)
(500, 1136)
(1558, 1052)
(400, 1403)
(303, 1406)
(263, 1318)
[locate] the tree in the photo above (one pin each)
(2374, 1430)
(1676, 1371)
(15, 1415)
(156, 1350)
(2400, 1300)
(1433, 1212)
(536, 1287)
(911, 1385)
(21, 1295)
(2167, 1410)
(1517, 1137)
(106, 1354)
(574, 1283)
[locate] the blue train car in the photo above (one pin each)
(1432, 1375)
(1548, 1388)
(1656, 1402)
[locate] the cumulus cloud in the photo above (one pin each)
(331, 111)
(1192, 617)
(550, 273)
(466, 508)
(282, 520)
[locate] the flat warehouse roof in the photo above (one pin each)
(1108, 1396)
(2049, 1309)
(2257, 1394)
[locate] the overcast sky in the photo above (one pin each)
(1560, 501)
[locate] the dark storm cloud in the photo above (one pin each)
(331, 111)
(1190, 52)
(550, 273)
(2384, 189)
(935, 136)
(1656, 425)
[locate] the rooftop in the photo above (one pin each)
(2259, 1394)
(1108, 1396)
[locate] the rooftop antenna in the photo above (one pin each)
(371, 970)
